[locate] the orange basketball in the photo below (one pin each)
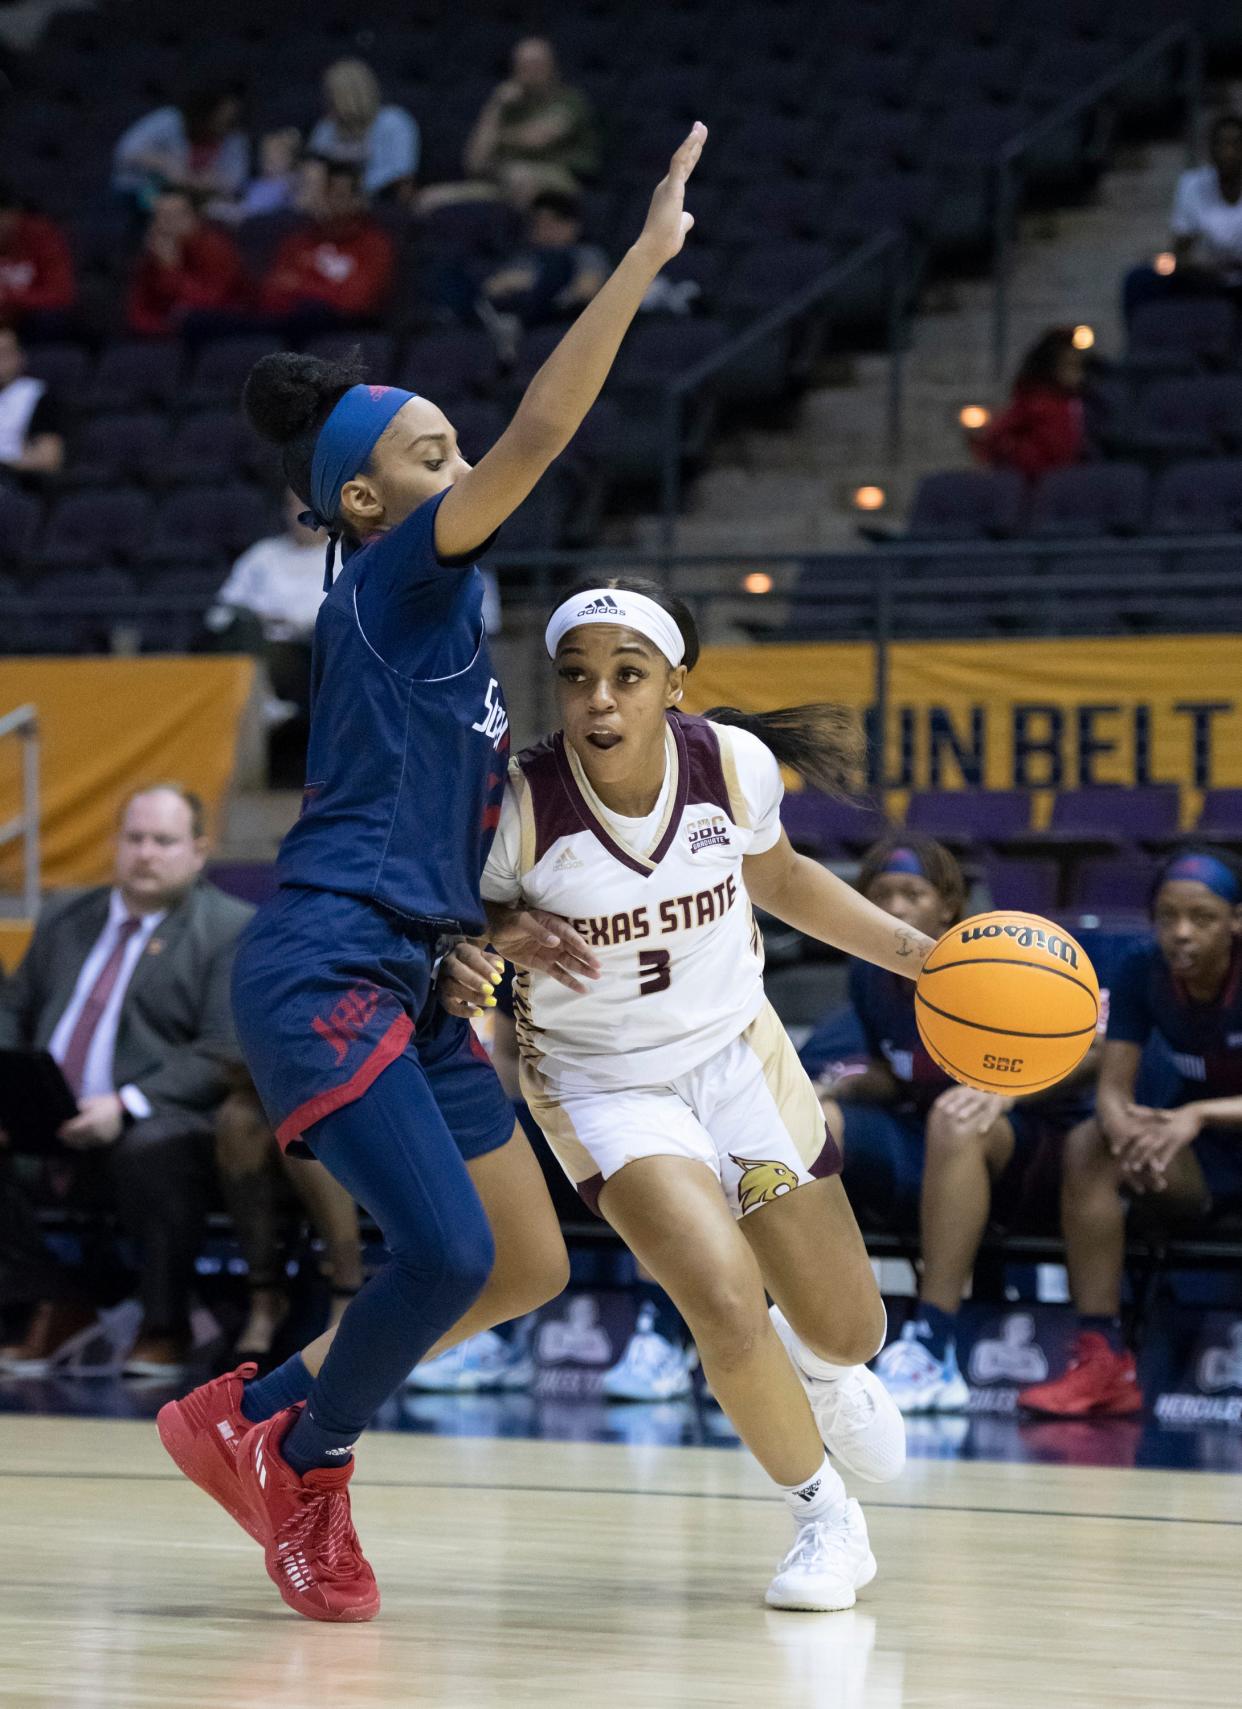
(1007, 1003)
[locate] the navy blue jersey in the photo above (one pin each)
(884, 1004)
(1205, 1039)
(409, 736)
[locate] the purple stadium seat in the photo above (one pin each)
(1203, 496)
(466, 229)
(135, 374)
(1114, 815)
(62, 367)
(479, 424)
(462, 360)
(1090, 498)
(377, 350)
(873, 137)
(206, 525)
(1182, 333)
(1190, 416)
(124, 447)
(212, 446)
(86, 629)
(821, 823)
(663, 346)
(1030, 885)
(1120, 885)
(1220, 817)
(96, 527)
(964, 816)
(19, 521)
(221, 369)
(967, 504)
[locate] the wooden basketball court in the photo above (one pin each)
(576, 1574)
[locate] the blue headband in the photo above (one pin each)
(346, 440)
(902, 860)
(1205, 869)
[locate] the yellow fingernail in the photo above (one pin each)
(489, 989)
(490, 1003)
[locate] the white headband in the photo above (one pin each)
(617, 605)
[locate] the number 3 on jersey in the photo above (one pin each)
(654, 971)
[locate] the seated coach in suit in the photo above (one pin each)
(127, 986)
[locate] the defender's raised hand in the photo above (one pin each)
(667, 220)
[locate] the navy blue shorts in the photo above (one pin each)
(884, 1155)
(327, 991)
(1218, 1152)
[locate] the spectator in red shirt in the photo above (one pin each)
(37, 285)
(1043, 426)
(186, 267)
(335, 270)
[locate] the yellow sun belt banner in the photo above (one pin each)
(1039, 715)
(109, 726)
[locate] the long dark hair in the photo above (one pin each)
(1039, 365)
(823, 742)
(287, 399)
(940, 868)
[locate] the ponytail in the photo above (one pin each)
(823, 743)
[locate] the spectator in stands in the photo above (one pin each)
(127, 986)
(915, 1143)
(1205, 228)
(186, 268)
(1180, 1162)
(32, 429)
(37, 283)
(554, 274)
(337, 269)
(276, 189)
(197, 145)
(253, 1173)
(1043, 427)
(360, 130)
(279, 583)
(535, 132)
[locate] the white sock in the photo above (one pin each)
(810, 1362)
(820, 1497)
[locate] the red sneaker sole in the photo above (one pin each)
(358, 1612)
(1097, 1409)
(184, 1449)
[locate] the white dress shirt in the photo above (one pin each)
(97, 1074)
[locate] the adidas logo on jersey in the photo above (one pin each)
(605, 606)
(566, 861)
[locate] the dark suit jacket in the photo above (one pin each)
(175, 1038)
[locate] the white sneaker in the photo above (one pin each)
(858, 1421)
(917, 1380)
(830, 1561)
(651, 1368)
(485, 1361)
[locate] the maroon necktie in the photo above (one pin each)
(73, 1067)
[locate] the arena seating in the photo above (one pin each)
(829, 125)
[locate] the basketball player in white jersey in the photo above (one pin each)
(668, 1090)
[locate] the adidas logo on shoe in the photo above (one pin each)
(605, 606)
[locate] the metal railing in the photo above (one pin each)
(891, 248)
(23, 723)
(1087, 100)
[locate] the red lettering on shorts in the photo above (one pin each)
(347, 1020)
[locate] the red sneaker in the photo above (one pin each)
(1097, 1382)
(203, 1431)
(310, 1547)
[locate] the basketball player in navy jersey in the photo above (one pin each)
(1186, 986)
(333, 985)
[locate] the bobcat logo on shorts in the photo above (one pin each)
(763, 1179)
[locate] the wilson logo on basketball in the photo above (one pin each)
(347, 1019)
(1026, 937)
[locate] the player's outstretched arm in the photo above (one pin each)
(813, 900)
(561, 393)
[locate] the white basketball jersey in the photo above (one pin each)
(668, 916)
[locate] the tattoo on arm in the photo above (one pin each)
(905, 943)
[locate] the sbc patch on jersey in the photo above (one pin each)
(708, 833)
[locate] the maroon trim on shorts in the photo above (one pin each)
(829, 1161)
(361, 1080)
(589, 1191)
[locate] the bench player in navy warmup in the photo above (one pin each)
(333, 987)
(1186, 986)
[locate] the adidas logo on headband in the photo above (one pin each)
(605, 606)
